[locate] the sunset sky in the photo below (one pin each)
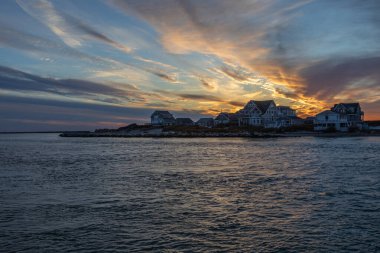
(81, 65)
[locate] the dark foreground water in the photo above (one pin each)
(189, 195)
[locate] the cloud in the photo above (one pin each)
(236, 74)
(12, 79)
(207, 84)
(14, 38)
(237, 103)
(165, 76)
(35, 114)
(199, 97)
(69, 28)
(45, 12)
(329, 78)
(93, 33)
(160, 64)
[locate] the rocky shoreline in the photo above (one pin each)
(244, 134)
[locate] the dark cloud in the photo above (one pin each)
(12, 79)
(287, 94)
(206, 84)
(162, 75)
(92, 32)
(236, 103)
(30, 114)
(200, 97)
(35, 114)
(330, 77)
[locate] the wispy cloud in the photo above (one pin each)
(16, 80)
(13, 38)
(69, 28)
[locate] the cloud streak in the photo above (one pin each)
(11, 79)
(70, 29)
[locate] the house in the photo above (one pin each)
(205, 122)
(184, 122)
(226, 118)
(258, 113)
(287, 121)
(286, 111)
(328, 119)
(162, 118)
(355, 116)
(287, 117)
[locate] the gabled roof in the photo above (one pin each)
(351, 107)
(163, 114)
(327, 112)
(283, 107)
(233, 116)
(222, 116)
(263, 105)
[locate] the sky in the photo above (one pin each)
(82, 65)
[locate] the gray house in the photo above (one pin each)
(162, 118)
(226, 118)
(258, 113)
(353, 112)
(205, 122)
(330, 120)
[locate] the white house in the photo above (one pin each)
(259, 113)
(286, 111)
(287, 117)
(355, 116)
(331, 120)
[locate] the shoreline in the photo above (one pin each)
(213, 135)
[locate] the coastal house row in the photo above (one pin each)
(165, 118)
(261, 113)
(342, 117)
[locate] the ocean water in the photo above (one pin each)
(189, 195)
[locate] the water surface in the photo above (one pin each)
(189, 195)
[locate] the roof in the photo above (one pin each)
(327, 112)
(263, 105)
(163, 114)
(282, 107)
(222, 116)
(350, 107)
(184, 121)
(290, 117)
(233, 116)
(205, 120)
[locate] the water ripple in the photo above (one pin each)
(189, 195)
